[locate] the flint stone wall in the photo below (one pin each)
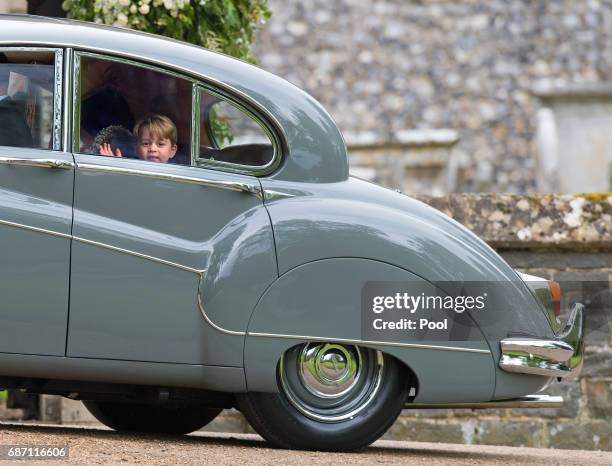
(472, 66)
(565, 237)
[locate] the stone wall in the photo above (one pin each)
(421, 162)
(472, 66)
(13, 6)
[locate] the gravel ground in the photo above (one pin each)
(102, 446)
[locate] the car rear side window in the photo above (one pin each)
(132, 111)
(230, 135)
(27, 100)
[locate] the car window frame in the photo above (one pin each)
(76, 90)
(59, 123)
(197, 85)
(257, 170)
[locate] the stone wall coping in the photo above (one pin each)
(510, 221)
(406, 138)
(551, 91)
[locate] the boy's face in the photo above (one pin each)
(153, 147)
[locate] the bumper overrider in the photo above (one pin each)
(560, 357)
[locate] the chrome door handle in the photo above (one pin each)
(44, 163)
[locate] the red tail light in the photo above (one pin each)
(555, 292)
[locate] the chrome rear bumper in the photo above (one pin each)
(560, 357)
(528, 401)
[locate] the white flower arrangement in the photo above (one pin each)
(221, 25)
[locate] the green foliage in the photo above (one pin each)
(220, 127)
(221, 25)
(3, 396)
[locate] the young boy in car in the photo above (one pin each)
(156, 140)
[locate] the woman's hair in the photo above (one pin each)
(158, 125)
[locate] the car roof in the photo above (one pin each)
(313, 146)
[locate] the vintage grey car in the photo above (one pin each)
(237, 274)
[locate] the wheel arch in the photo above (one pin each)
(321, 301)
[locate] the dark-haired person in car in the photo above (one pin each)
(156, 140)
(14, 130)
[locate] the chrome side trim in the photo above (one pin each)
(271, 195)
(369, 342)
(103, 245)
(202, 272)
(250, 188)
(43, 163)
(325, 339)
(36, 229)
(203, 312)
(528, 401)
(138, 254)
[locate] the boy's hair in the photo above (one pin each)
(158, 125)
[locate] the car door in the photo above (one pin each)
(168, 259)
(36, 187)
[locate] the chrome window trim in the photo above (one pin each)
(56, 131)
(258, 170)
(133, 62)
(195, 123)
(186, 73)
(58, 100)
(68, 86)
(76, 103)
(239, 186)
(263, 117)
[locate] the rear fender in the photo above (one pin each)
(321, 301)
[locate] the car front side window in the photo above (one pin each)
(27, 99)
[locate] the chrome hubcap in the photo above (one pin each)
(329, 370)
(330, 382)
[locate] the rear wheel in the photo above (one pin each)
(332, 397)
(139, 417)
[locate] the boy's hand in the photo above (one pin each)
(106, 149)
